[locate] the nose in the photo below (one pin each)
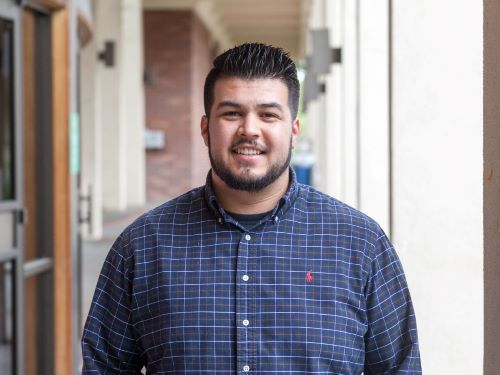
(250, 126)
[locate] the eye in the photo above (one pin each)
(231, 114)
(269, 116)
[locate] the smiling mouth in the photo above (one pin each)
(247, 151)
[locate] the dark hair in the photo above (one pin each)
(251, 61)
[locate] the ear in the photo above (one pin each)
(295, 132)
(204, 129)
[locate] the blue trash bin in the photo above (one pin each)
(302, 164)
(303, 173)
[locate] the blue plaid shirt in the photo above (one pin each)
(315, 288)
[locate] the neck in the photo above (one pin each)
(244, 202)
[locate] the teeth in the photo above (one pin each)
(247, 151)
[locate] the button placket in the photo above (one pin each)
(244, 352)
(252, 305)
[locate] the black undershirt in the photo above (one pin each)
(249, 220)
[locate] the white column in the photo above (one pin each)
(133, 101)
(346, 36)
(315, 125)
(336, 137)
(374, 110)
(114, 160)
(316, 108)
(333, 130)
(91, 143)
(438, 174)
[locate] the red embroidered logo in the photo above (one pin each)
(309, 277)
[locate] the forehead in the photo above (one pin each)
(251, 91)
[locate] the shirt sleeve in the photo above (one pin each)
(109, 342)
(391, 343)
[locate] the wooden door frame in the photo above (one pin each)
(63, 332)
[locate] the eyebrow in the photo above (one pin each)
(228, 103)
(271, 105)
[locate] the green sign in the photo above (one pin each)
(74, 143)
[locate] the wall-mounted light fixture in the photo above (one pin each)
(318, 63)
(107, 55)
(322, 54)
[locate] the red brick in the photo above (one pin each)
(177, 48)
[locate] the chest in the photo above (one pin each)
(279, 294)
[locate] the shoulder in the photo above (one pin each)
(333, 212)
(174, 212)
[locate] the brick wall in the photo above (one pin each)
(177, 58)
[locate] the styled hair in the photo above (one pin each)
(251, 61)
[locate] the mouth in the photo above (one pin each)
(247, 150)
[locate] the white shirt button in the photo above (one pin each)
(246, 368)
(248, 237)
(245, 278)
(246, 322)
(276, 219)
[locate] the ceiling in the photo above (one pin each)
(282, 23)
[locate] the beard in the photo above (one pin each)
(248, 182)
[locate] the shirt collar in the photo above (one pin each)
(286, 201)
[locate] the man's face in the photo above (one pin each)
(250, 132)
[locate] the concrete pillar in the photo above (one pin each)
(315, 124)
(122, 103)
(333, 127)
(109, 26)
(91, 130)
(133, 101)
(373, 110)
(438, 170)
(316, 111)
(347, 38)
(336, 136)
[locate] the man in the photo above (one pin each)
(253, 272)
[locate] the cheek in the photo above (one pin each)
(280, 139)
(219, 140)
